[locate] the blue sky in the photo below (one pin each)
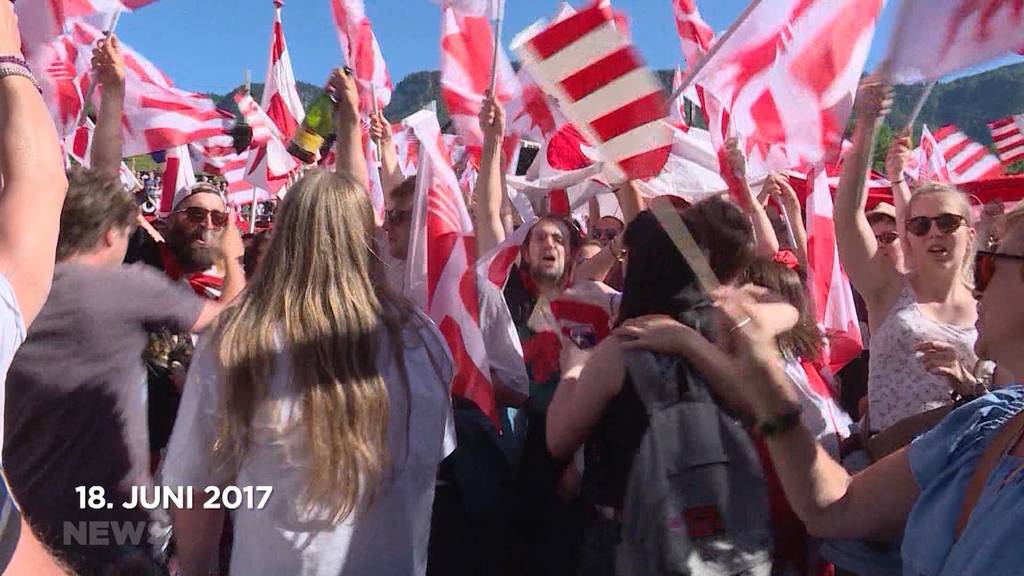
(205, 45)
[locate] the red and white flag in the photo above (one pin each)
(828, 283)
(967, 160)
(496, 265)
(677, 110)
(56, 68)
(79, 144)
(1008, 136)
(532, 114)
(603, 87)
(263, 128)
(928, 162)
(280, 95)
(362, 52)
(787, 77)
(467, 50)
(935, 38)
(270, 167)
(441, 274)
(179, 178)
(695, 35)
(40, 21)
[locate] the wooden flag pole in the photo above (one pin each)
(91, 88)
(376, 143)
(691, 75)
(499, 23)
(919, 106)
(255, 192)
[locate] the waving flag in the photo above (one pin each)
(934, 38)
(179, 178)
(967, 160)
(441, 272)
(829, 286)
(263, 128)
(695, 35)
(1008, 135)
(40, 21)
(677, 110)
(927, 161)
(157, 115)
(56, 67)
(604, 88)
(787, 76)
(362, 52)
(532, 114)
(467, 49)
(281, 96)
(496, 265)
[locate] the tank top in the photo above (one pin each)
(899, 386)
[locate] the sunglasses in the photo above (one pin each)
(887, 238)
(947, 223)
(604, 233)
(985, 267)
(395, 216)
(197, 215)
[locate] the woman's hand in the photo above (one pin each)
(942, 359)
(656, 333)
(898, 156)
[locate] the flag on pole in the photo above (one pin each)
(40, 21)
(786, 77)
(695, 36)
(467, 51)
(967, 160)
(179, 178)
(677, 109)
(441, 274)
(362, 52)
(829, 286)
(280, 95)
(935, 38)
(1008, 136)
(603, 87)
(263, 128)
(927, 161)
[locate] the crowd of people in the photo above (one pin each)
(694, 429)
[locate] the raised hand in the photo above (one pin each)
(492, 120)
(108, 62)
(343, 86)
(874, 100)
(380, 128)
(898, 156)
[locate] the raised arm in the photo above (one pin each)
(895, 164)
(34, 183)
(869, 272)
(780, 189)
(764, 234)
(108, 62)
(351, 159)
(391, 174)
(488, 191)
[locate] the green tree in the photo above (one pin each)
(1016, 168)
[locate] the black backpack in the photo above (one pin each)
(696, 502)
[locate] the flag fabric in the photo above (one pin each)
(179, 178)
(271, 166)
(79, 144)
(157, 115)
(928, 162)
(695, 36)
(40, 21)
(496, 265)
(1008, 136)
(829, 286)
(263, 128)
(467, 50)
(362, 52)
(787, 76)
(603, 87)
(967, 160)
(55, 64)
(280, 95)
(441, 274)
(532, 114)
(677, 109)
(934, 38)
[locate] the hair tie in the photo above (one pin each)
(787, 258)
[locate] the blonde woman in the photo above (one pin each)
(922, 321)
(328, 389)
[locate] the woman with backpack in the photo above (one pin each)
(613, 403)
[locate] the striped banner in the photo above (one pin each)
(1008, 136)
(966, 159)
(603, 87)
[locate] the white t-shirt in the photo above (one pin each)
(389, 537)
(12, 334)
(821, 413)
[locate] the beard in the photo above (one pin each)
(545, 276)
(191, 256)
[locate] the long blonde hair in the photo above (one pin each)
(321, 293)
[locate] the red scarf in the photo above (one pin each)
(205, 285)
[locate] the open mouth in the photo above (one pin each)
(938, 251)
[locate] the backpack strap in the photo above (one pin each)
(1000, 446)
(653, 379)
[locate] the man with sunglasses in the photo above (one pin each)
(882, 219)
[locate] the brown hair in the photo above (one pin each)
(724, 233)
(94, 204)
(404, 190)
(805, 339)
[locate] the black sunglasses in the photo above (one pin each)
(947, 223)
(985, 267)
(604, 233)
(887, 238)
(197, 215)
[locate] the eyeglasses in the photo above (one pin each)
(395, 216)
(197, 215)
(985, 267)
(887, 238)
(604, 233)
(947, 223)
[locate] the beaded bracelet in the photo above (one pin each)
(8, 69)
(11, 59)
(780, 424)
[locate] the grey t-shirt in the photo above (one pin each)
(76, 405)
